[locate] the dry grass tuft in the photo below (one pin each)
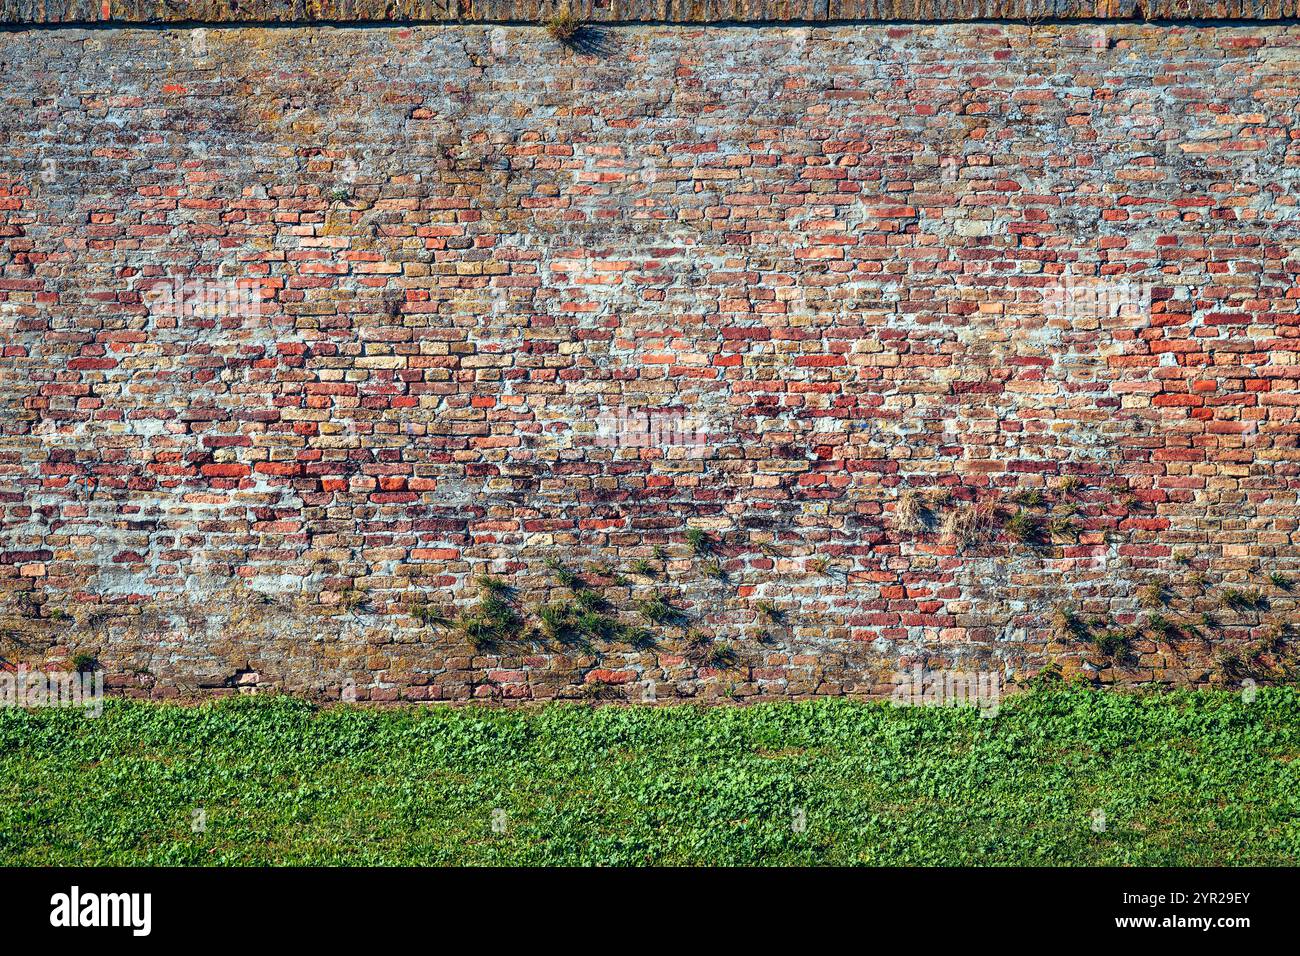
(909, 513)
(563, 25)
(971, 524)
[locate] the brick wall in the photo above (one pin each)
(403, 361)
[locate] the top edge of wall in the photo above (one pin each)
(629, 11)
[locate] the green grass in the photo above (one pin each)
(1189, 778)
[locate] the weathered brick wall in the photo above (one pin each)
(631, 11)
(968, 345)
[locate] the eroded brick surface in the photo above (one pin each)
(469, 301)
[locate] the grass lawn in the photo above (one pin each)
(1187, 778)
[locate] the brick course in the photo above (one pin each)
(963, 343)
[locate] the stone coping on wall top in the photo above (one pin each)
(629, 11)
